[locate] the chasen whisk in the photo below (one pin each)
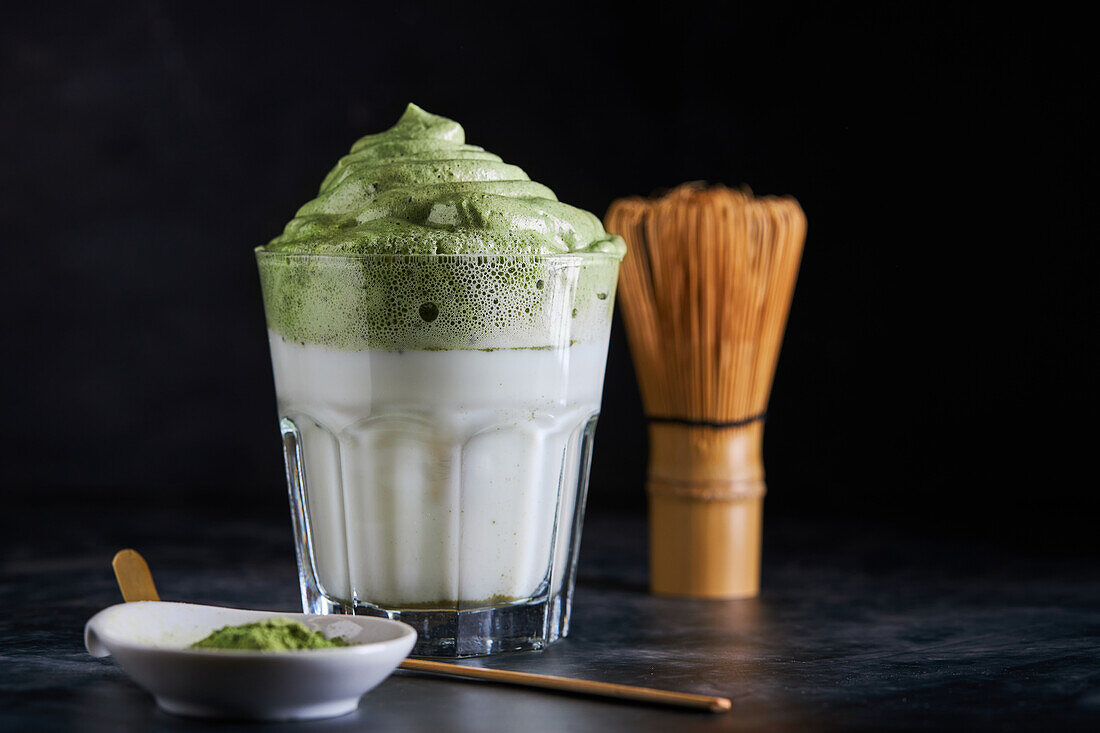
(705, 290)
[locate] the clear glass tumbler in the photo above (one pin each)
(437, 414)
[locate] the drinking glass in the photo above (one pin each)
(437, 416)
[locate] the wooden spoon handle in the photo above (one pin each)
(133, 576)
(566, 684)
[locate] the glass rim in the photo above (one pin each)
(262, 254)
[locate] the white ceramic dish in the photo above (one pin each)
(150, 639)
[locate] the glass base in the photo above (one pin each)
(523, 625)
(527, 626)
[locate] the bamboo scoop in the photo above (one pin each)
(136, 583)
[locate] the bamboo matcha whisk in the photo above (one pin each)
(705, 290)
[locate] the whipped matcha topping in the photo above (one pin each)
(420, 241)
(418, 188)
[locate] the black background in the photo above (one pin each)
(935, 372)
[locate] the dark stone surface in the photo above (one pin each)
(856, 628)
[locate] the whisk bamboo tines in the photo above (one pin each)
(705, 289)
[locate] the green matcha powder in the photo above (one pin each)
(273, 635)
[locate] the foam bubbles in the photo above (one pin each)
(418, 240)
(438, 301)
(429, 312)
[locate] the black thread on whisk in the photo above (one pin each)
(710, 423)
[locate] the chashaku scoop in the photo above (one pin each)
(149, 639)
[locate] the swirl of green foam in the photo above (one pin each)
(420, 241)
(418, 188)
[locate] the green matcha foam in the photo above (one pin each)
(420, 241)
(418, 188)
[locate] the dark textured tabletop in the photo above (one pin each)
(857, 628)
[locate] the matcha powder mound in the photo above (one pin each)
(277, 634)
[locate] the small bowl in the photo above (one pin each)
(150, 639)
